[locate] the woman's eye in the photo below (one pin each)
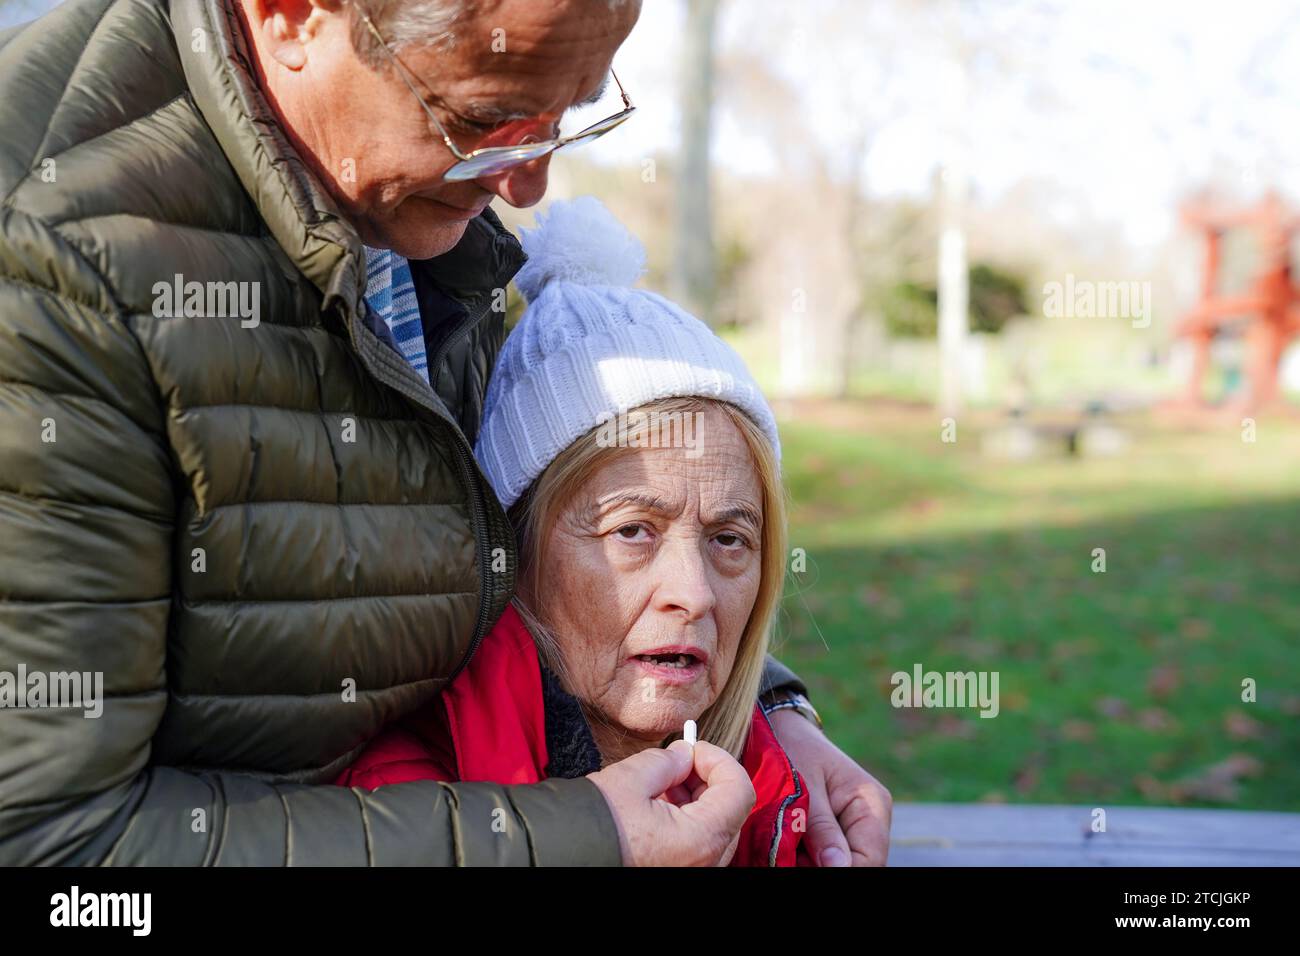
(729, 539)
(630, 532)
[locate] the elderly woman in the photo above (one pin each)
(640, 466)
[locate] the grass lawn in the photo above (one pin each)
(1121, 687)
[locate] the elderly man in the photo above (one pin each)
(250, 293)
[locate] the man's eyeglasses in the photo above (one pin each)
(491, 160)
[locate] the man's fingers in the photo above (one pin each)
(727, 789)
(646, 792)
(677, 795)
(714, 765)
(655, 771)
(825, 841)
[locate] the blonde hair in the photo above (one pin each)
(727, 721)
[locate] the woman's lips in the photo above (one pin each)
(672, 666)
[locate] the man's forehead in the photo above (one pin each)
(530, 57)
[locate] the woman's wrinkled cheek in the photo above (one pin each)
(737, 597)
(585, 607)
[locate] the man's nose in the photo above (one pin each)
(521, 186)
(685, 588)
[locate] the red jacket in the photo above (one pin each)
(490, 725)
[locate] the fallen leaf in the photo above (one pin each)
(1163, 680)
(1155, 718)
(1151, 788)
(1218, 783)
(950, 725)
(1161, 761)
(1027, 781)
(1112, 707)
(1078, 730)
(1241, 726)
(1083, 782)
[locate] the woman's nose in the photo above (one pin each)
(685, 587)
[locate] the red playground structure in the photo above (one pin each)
(1271, 305)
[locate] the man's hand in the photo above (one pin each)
(657, 825)
(849, 809)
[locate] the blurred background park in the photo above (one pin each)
(880, 203)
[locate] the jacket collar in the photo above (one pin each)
(301, 216)
(486, 259)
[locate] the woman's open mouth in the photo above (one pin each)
(674, 667)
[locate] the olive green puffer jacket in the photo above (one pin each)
(271, 539)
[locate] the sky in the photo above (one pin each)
(1125, 106)
(1121, 106)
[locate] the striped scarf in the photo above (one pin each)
(390, 294)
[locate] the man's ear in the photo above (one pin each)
(287, 26)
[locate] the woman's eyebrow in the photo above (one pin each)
(649, 502)
(660, 506)
(743, 512)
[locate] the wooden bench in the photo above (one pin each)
(964, 834)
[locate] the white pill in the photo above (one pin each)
(688, 732)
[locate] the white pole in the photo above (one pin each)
(954, 277)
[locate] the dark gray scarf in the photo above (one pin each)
(569, 744)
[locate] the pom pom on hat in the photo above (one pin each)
(579, 241)
(589, 347)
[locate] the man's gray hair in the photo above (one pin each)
(417, 23)
(405, 23)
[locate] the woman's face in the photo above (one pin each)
(649, 576)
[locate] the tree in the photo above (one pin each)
(694, 283)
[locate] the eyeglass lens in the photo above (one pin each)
(489, 164)
(494, 161)
(596, 130)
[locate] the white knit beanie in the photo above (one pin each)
(590, 347)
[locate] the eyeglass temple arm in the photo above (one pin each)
(401, 70)
(442, 131)
(627, 100)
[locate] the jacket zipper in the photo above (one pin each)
(798, 791)
(465, 324)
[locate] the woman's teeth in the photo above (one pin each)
(668, 660)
